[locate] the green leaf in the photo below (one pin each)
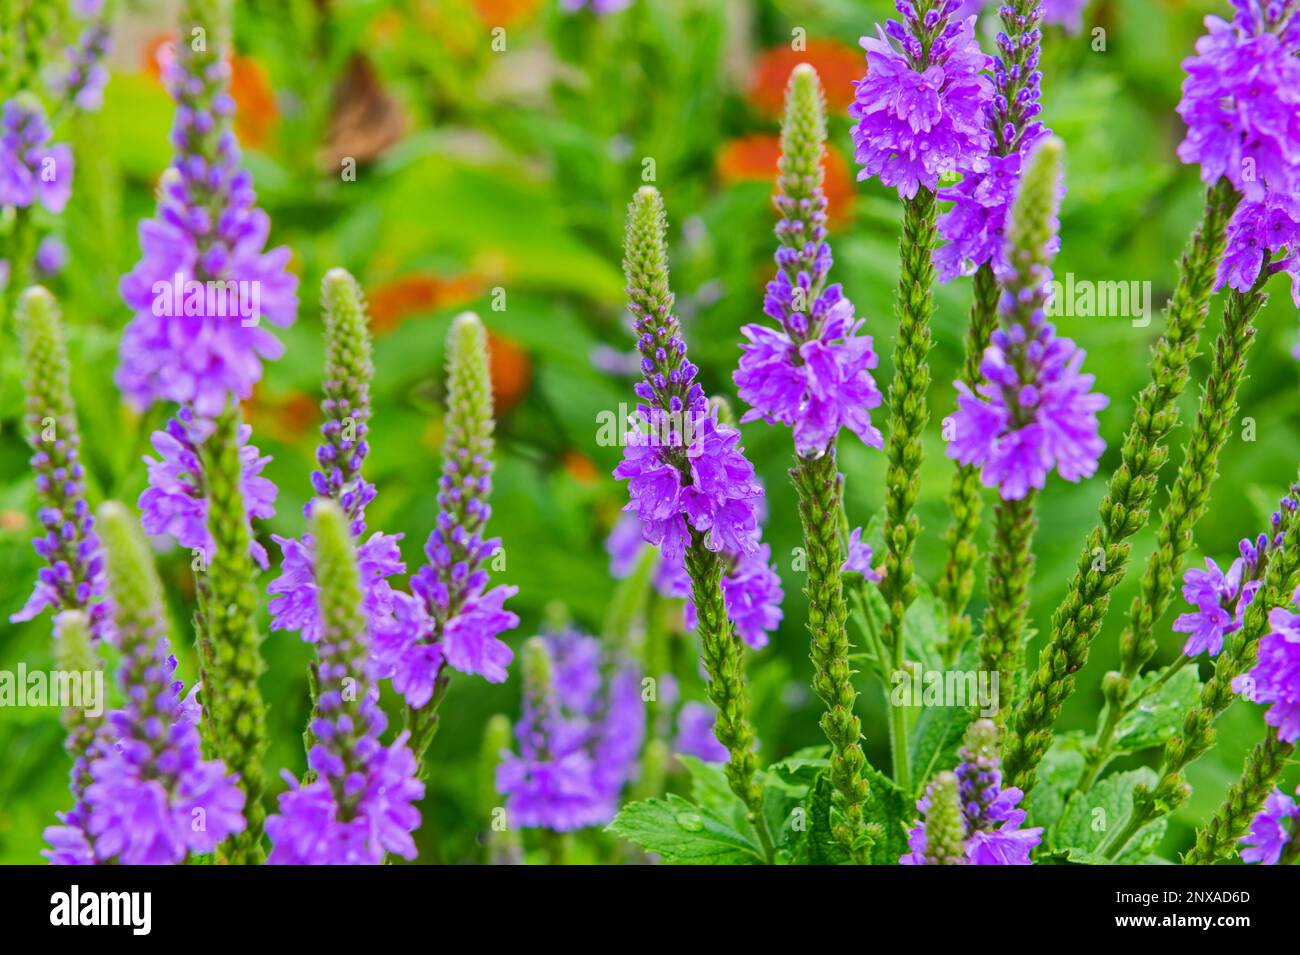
(1058, 774)
(682, 833)
(1159, 715)
(1089, 818)
(815, 844)
(925, 629)
(786, 788)
(891, 812)
(936, 739)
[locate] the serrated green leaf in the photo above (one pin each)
(1159, 715)
(1089, 818)
(1058, 774)
(682, 833)
(925, 629)
(815, 843)
(936, 737)
(892, 812)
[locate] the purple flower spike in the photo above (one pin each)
(1275, 678)
(204, 284)
(580, 735)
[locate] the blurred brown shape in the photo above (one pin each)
(366, 120)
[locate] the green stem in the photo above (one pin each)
(821, 501)
(724, 662)
(423, 723)
(965, 498)
(1218, 837)
(1125, 508)
(908, 415)
(1011, 567)
(1188, 500)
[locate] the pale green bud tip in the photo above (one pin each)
(981, 739)
(340, 292)
(72, 641)
(36, 301)
(726, 415)
(537, 664)
(132, 578)
(337, 580)
(497, 734)
(329, 526)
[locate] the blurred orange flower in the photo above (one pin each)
(504, 13)
(287, 418)
(580, 467)
(393, 301)
(755, 157)
(255, 110)
(838, 65)
(511, 369)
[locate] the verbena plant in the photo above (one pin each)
(169, 776)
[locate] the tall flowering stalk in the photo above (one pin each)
(339, 459)
(690, 485)
(814, 374)
(74, 579)
(1189, 499)
(451, 618)
(360, 803)
(199, 293)
(1034, 414)
(975, 232)
(919, 115)
(152, 799)
(1280, 563)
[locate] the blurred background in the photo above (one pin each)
(496, 144)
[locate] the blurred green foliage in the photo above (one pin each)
(510, 169)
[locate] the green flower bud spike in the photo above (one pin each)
(229, 644)
(945, 827)
(1188, 500)
(1125, 509)
(1218, 838)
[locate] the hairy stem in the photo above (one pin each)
(821, 503)
(908, 414)
(964, 496)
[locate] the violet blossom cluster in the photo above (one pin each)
(204, 249)
(920, 109)
(580, 734)
(1241, 105)
(751, 588)
(32, 169)
(175, 502)
(1273, 829)
(451, 617)
(813, 372)
(1220, 598)
(975, 227)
